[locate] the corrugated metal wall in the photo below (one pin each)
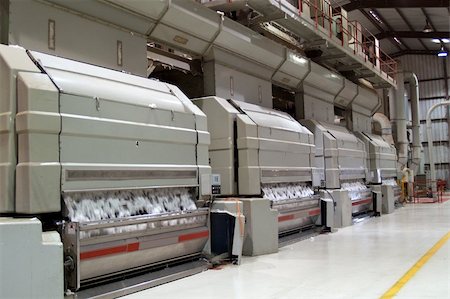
(431, 73)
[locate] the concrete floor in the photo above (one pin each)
(361, 261)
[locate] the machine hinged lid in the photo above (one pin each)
(266, 117)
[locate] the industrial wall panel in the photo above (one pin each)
(442, 172)
(424, 66)
(439, 130)
(438, 113)
(441, 153)
(432, 89)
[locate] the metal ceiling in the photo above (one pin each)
(359, 4)
(401, 23)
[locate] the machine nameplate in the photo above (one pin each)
(87, 175)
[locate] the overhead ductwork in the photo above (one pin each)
(386, 127)
(317, 94)
(363, 106)
(347, 94)
(315, 30)
(229, 44)
(194, 28)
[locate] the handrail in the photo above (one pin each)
(355, 37)
(361, 40)
(424, 190)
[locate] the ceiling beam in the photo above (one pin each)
(378, 26)
(362, 76)
(361, 4)
(413, 34)
(414, 52)
(330, 57)
(390, 28)
(411, 28)
(351, 67)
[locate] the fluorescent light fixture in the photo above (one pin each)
(375, 16)
(398, 41)
(441, 41)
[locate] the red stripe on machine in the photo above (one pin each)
(285, 218)
(362, 202)
(193, 236)
(108, 251)
(133, 247)
(314, 212)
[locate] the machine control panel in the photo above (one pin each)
(215, 184)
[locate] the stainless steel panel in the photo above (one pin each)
(362, 206)
(284, 173)
(140, 242)
(297, 214)
(86, 175)
(99, 267)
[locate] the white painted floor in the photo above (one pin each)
(361, 261)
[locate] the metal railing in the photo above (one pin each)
(423, 192)
(353, 36)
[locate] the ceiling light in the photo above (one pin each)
(375, 16)
(441, 41)
(398, 41)
(442, 52)
(427, 27)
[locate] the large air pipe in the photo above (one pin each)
(416, 144)
(430, 146)
(386, 127)
(401, 122)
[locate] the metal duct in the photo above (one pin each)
(386, 127)
(430, 145)
(194, 28)
(363, 107)
(414, 94)
(400, 122)
(347, 94)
